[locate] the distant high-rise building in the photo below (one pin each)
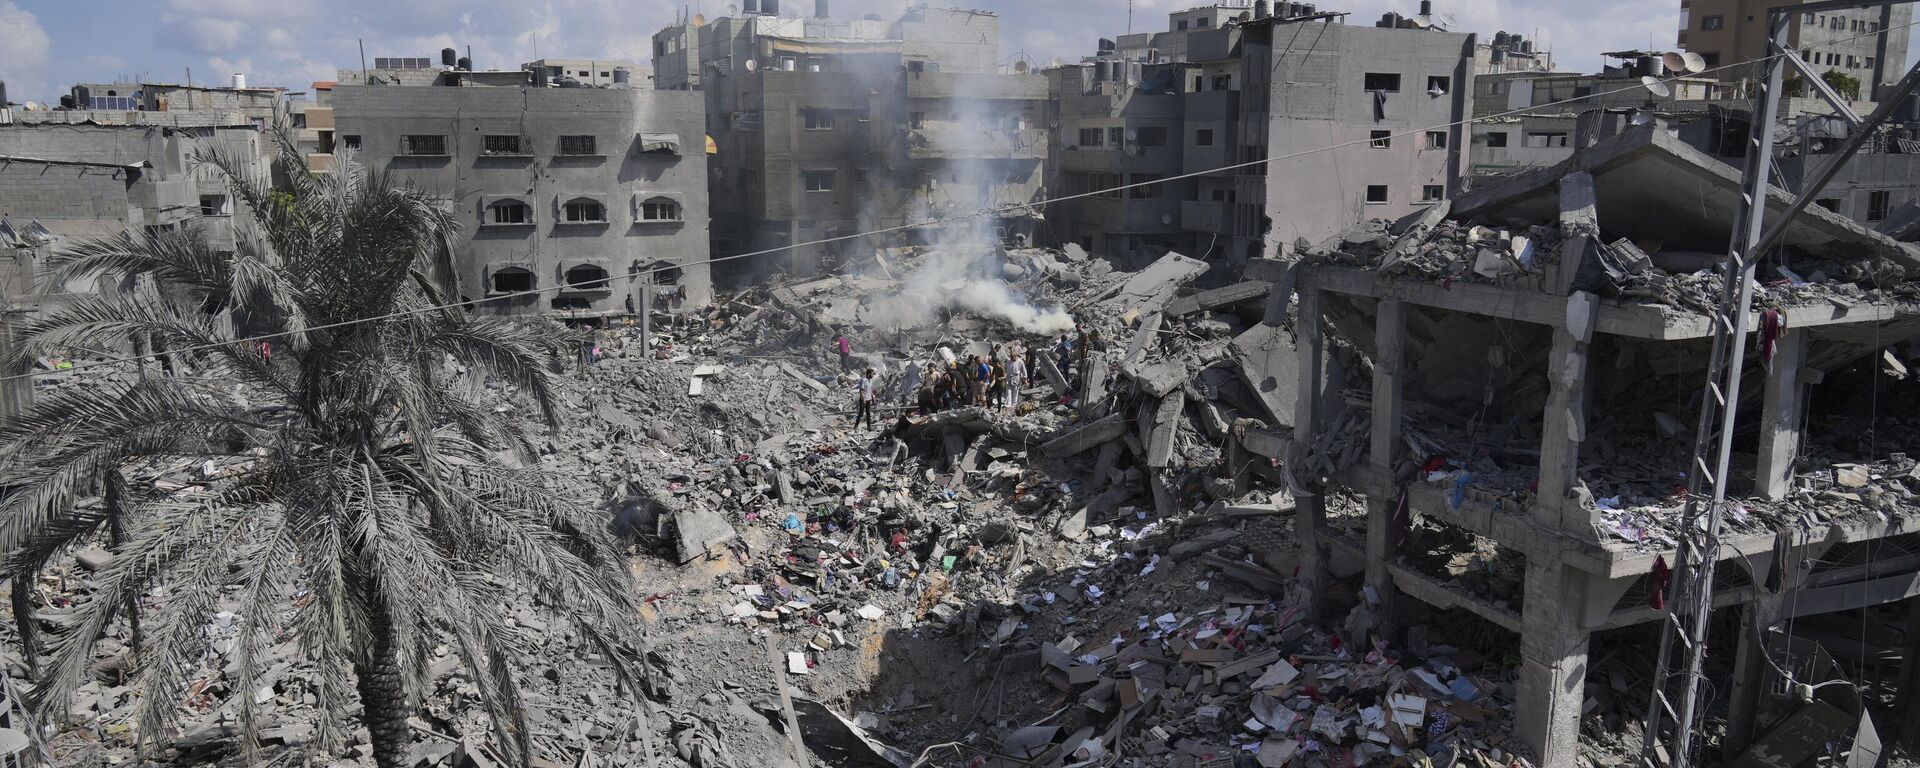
(1848, 41)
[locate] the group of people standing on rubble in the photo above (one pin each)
(994, 380)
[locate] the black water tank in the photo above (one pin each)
(447, 57)
(1426, 7)
(3, 93)
(466, 64)
(1259, 9)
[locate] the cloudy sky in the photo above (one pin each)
(47, 45)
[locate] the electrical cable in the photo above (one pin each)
(927, 223)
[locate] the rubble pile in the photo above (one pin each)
(1431, 247)
(1077, 577)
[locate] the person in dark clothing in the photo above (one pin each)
(996, 382)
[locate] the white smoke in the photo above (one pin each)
(965, 275)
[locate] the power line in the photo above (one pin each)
(933, 222)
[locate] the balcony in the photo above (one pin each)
(1213, 218)
(976, 85)
(954, 142)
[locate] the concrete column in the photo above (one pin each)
(1553, 662)
(1310, 511)
(1564, 424)
(1383, 527)
(1780, 417)
(1750, 671)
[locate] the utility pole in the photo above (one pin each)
(1672, 711)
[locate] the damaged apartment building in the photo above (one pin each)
(826, 127)
(1510, 380)
(1228, 86)
(1528, 120)
(576, 201)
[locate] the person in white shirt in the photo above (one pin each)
(1016, 379)
(865, 408)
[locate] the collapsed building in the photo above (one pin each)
(1535, 351)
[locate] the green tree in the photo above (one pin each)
(375, 511)
(1843, 83)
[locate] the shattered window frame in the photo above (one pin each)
(1879, 204)
(1383, 196)
(817, 181)
(1436, 139)
(1432, 193)
(1381, 81)
(816, 119)
(1379, 139)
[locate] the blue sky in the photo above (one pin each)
(47, 45)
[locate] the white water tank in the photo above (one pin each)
(239, 80)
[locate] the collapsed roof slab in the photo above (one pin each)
(1652, 186)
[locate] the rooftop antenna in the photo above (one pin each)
(363, 59)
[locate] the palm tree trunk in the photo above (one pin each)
(117, 530)
(23, 620)
(383, 695)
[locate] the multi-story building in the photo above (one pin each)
(1155, 113)
(1847, 41)
(824, 128)
(1526, 120)
(594, 198)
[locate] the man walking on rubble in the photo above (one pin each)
(864, 410)
(982, 373)
(1016, 380)
(845, 348)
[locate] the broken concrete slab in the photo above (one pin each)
(1166, 427)
(1150, 290)
(698, 531)
(1085, 436)
(1219, 297)
(803, 377)
(1157, 379)
(1143, 337)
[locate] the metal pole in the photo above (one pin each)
(1691, 595)
(1862, 133)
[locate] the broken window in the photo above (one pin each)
(1436, 139)
(1089, 137)
(587, 276)
(817, 119)
(1223, 82)
(1432, 192)
(1376, 193)
(1829, 203)
(1380, 139)
(577, 145)
(513, 280)
(214, 205)
(817, 181)
(1497, 139)
(1439, 84)
(660, 209)
(350, 141)
(1544, 140)
(299, 119)
(1149, 186)
(1203, 137)
(581, 210)
(916, 120)
(1117, 136)
(916, 65)
(1152, 137)
(424, 145)
(502, 145)
(1382, 81)
(509, 212)
(1878, 203)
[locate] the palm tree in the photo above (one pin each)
(369, 499)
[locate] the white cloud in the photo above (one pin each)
(23, 53)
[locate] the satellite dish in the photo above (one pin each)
(1673, 61)
(1422, 22)
(733, 10)
(1655, 86)
(752, 65)
(1166, 219)
(1020, 66)
(33, 106)
(1695, 63)
(1447, 21)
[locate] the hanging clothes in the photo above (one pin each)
(1657, 583)
(1772, 324)
(1781, 573)
(1379, 106)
